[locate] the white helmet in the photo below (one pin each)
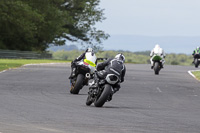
(120, 57)
(157, 46)
(89, 50)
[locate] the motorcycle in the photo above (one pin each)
(157, 63)
(100, 90)
(84, 70)
(196, 60)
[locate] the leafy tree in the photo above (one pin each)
(35, 24)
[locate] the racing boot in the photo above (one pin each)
(114, 90)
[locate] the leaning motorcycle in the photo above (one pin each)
(84, 70)
(157, 63)
(101, 90)
(196, 60)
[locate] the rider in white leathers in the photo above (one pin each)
(157, 50)
(81, 57)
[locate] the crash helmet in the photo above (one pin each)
(197, 48)
(157, 46)
(120, 57)
(89, 50)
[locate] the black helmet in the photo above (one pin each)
(120, 57)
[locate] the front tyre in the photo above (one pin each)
(104, 96)
(89, 100)
(156, 68)
(196, 63)
(78, 84)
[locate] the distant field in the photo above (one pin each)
(197, 74)
(13, 63)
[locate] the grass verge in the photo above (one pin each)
(196, 74)
(14, 63)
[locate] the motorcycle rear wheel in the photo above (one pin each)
(103, 97)
(78, 84)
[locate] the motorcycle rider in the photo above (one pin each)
(113, 66)
(81, 57)
(196, 51)
(157, 50)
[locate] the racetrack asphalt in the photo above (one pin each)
(36, 99)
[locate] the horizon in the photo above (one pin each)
(177, 20)
(170, 44)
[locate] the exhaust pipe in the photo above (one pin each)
(87, 75)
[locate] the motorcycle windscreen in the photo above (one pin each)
(157, 58)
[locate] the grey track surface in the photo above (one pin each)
(36, 99)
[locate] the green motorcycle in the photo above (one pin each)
(157, 63)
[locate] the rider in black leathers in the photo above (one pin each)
(113, 66)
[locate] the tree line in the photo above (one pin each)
(34, 25)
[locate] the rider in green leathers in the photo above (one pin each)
(196, 51)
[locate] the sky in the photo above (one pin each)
(151, 17)
(137, 25)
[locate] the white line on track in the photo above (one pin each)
(3, 72)
(42, 64)
(190, 72)
(32, 65)
(158, 89)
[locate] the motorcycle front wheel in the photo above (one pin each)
(196, 63)
(75, 88)
(103, 97)
(156, 68)
(89, 101)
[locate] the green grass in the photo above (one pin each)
(196, 74)
(14, 63)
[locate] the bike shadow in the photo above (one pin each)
(121, 107)
(80, 94)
